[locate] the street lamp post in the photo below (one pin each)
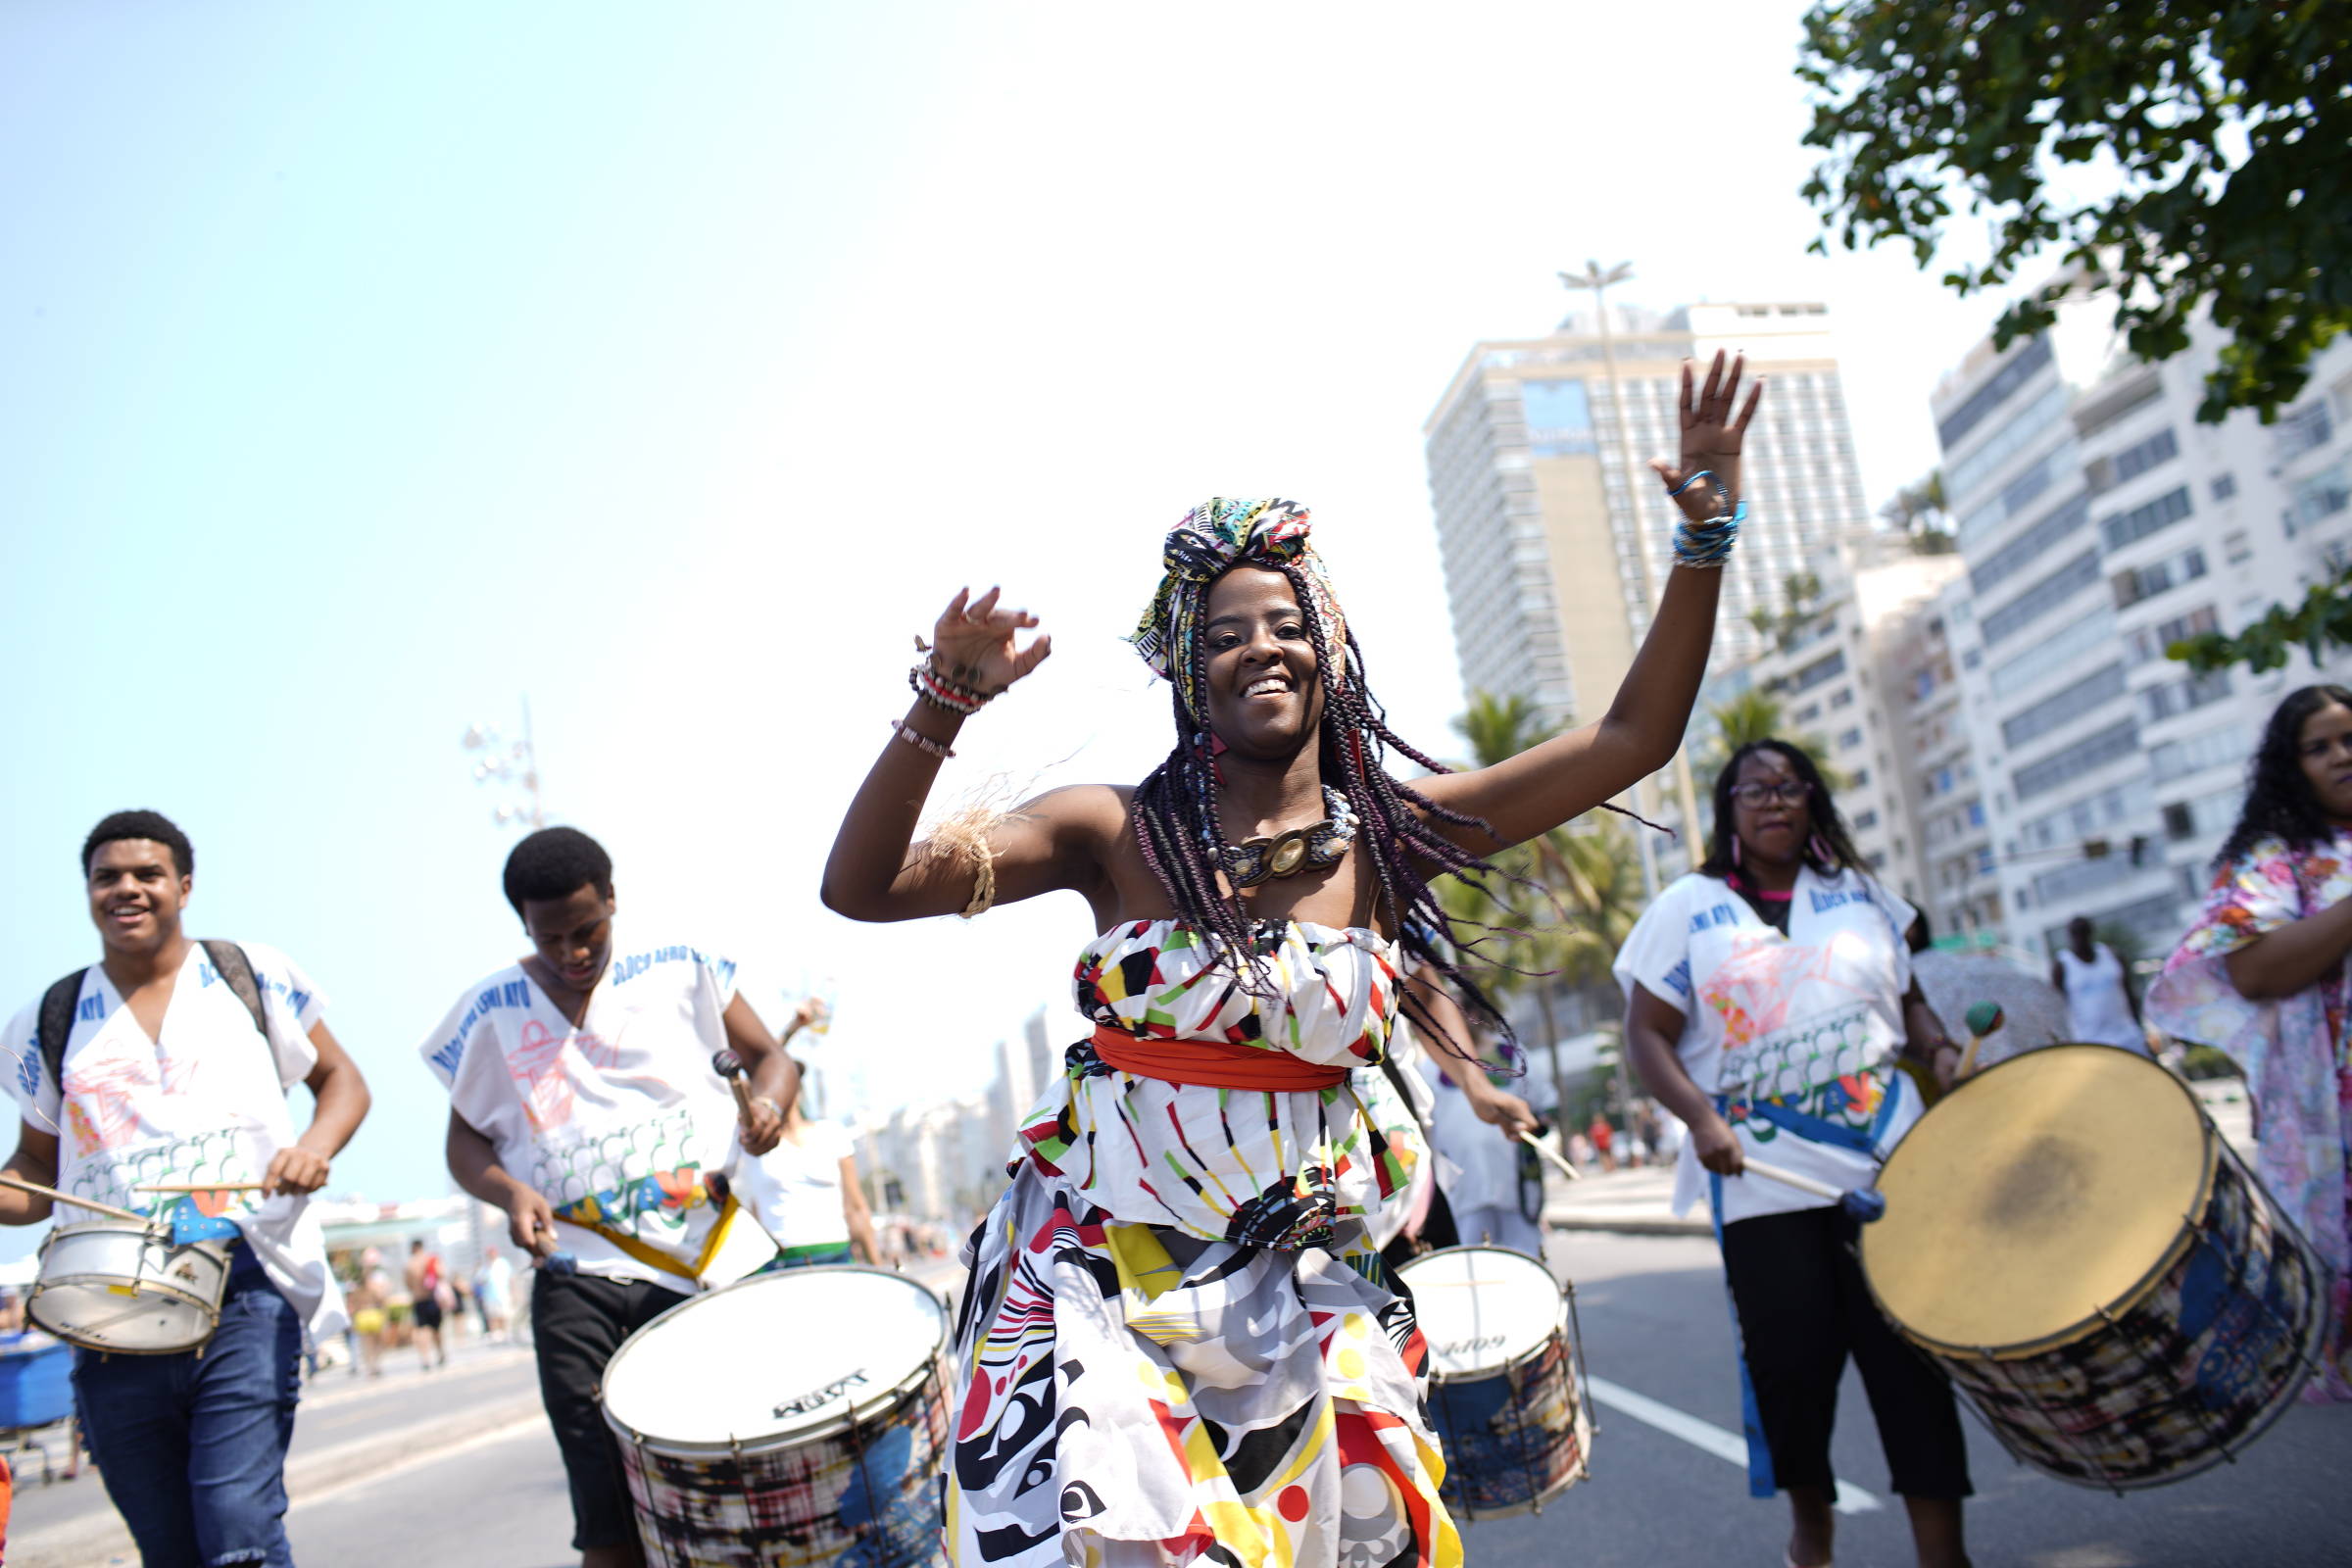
(514, 762)
(1598, 280)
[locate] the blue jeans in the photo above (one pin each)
(193, 1446)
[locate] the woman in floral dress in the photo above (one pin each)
(1178, 1343)
(2261, 975)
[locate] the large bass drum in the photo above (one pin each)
(786, 1420)
(2103, 1278)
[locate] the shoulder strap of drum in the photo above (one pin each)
(57, 1022)
(237, 969)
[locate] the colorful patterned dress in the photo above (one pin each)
(1178, 1343)
(2292, 1050)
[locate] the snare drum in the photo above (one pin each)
(2105, 1281)
(110, 1285)
(789, 1419)
(1505, 1378)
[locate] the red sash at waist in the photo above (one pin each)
(1212, 1063)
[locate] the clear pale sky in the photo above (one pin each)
(363, 369)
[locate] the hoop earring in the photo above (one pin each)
(1734, 849)
(1821, 851)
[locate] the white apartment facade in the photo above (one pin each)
(1840, 680)
(2076, 771)
(1546, 516)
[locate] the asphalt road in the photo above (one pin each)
(1654, 1323)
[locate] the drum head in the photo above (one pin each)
(2055, 1186)
(780, 1354)
(1481, 1308)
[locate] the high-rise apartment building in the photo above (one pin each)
(1842, 677)
(1546, 514)
(2101, 523)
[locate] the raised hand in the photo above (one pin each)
(1711, 437)
(973, 643)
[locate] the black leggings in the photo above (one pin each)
(1804, 1310)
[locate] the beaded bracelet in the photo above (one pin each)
(920, 740)
(940, 691)
(1707, 545)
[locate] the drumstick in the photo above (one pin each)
(1861, 1202)
(107, 1209)
(729, 1066)
(1557, 1164)
(1983, 1020)
(551, 1257)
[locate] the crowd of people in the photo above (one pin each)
(1183, 1333)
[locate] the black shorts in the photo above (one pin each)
(427, 1311)
(1803, 1309)
(577, 1322)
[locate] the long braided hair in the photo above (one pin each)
(2278, 800)
(1175, 808)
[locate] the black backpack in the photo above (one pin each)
(59, 999)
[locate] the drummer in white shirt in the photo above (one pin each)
(583, 1101)
(165, 1080)
(804, 1191)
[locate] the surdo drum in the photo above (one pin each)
(1505, 1378)
(787, 1419)
(2102, 1276)
(127, 1288)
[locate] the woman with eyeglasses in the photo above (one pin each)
(1768, 996)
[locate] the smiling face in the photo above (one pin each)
(1768, 813)
(1265, 696)
(573, 934)
(2324, 749)
(137, 891)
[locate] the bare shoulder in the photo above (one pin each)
(1093, 811)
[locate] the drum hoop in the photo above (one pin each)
(2097, 1320)
(1559, 1328)
(883, 1402)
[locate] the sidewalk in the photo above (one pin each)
(1638, 1203)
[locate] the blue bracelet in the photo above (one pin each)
(1708, 544)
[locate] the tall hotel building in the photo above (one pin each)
(1546, 511)
(2099, 522)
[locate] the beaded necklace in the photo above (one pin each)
(1286, 854)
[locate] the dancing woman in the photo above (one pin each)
(2260, 977)
(1177, 1341)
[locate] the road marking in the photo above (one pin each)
(1706, 1435)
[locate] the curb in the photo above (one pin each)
(102, 1540)
(1630, 1225)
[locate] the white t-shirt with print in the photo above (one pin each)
(614, 1122)
(1812, 1020)
(795, 1188)
(205, 1100)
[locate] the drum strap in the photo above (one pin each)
(651, 1257)
(1761, 1482)
(60, 1000)
(1862, 1141)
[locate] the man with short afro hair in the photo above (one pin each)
(583, 1046)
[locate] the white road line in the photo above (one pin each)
(1706, 1435)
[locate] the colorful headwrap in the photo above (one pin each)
(1219, 533)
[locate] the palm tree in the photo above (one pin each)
(1561, 905)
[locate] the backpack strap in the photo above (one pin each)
(57, 1023)
(237, 969)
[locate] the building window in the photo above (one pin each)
(2179, 822)
(2166, 509)
(1861, 778)
(1975, 814)
(2105, 474)
(1850, 739)
(2145, 582)
(2224, 487)
(2323, 495)
(1866, 821)
(2042, 597)
(2112, 743)
(2235, 548)
(1843, 697)
(2298, 430)
(2101, 686)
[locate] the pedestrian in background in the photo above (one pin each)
(1768, 996)
(426, 1310)
(2101, 1004)
(2260, 977)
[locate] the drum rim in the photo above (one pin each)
(151, 1233)
(883, 1402)
(2098, 1317)
(1559, 1328)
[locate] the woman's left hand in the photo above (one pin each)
(1711, 435)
